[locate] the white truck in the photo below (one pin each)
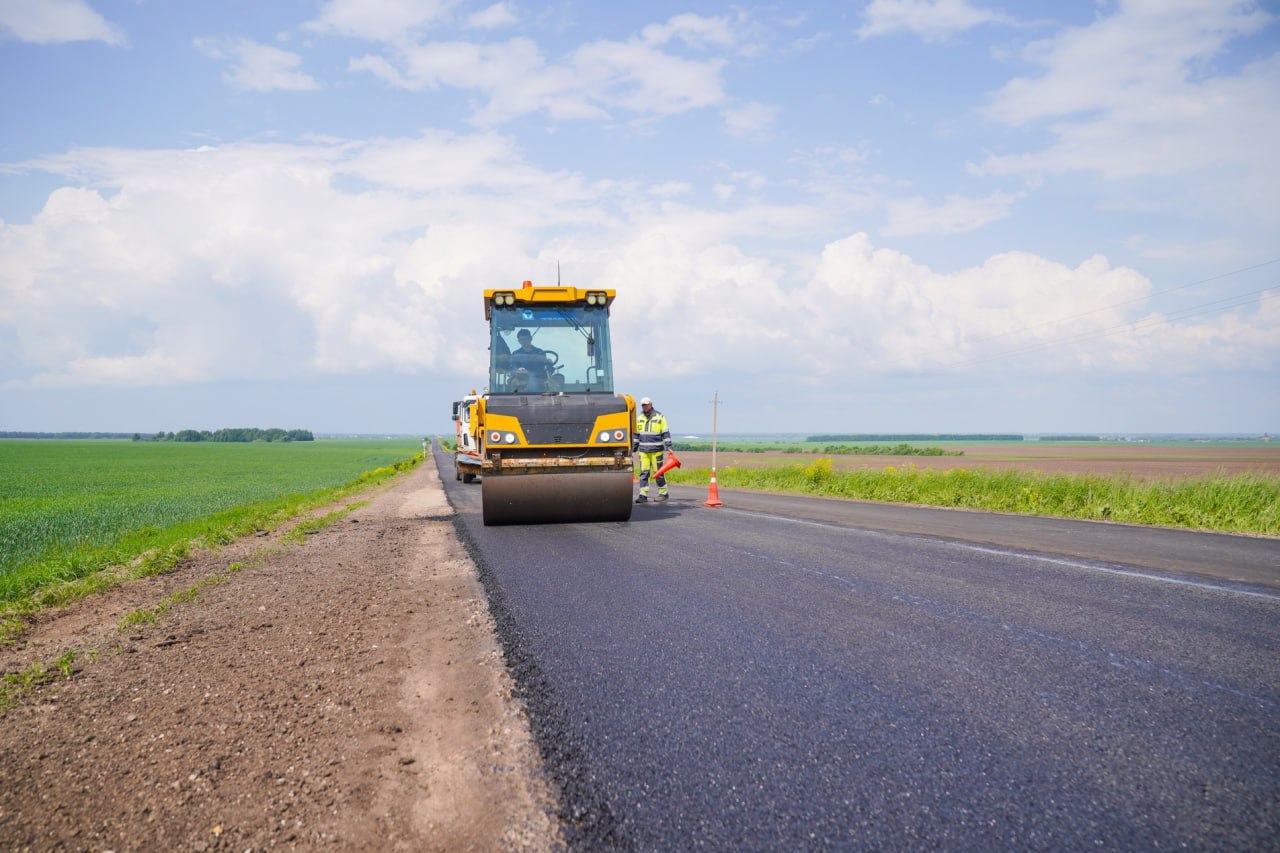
(466, 455)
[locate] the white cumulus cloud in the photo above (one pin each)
(1135, 95)
(643, 76)
(955, 215)
(258, 67)
(750, 119)
(497, 15)
(930, 19)
(380, 20)
(56, 22)
(252, 260)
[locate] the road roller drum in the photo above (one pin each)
(552, 498)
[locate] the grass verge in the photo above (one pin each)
(14, 687)
(1246, 503)
(296, 536)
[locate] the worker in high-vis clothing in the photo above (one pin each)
(652, 439)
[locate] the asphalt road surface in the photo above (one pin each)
(777, 678)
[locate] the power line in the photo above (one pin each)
(1147, 322)
(1128, 301)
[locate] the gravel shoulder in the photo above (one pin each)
(346, 691)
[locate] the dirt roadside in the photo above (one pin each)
(346, 692)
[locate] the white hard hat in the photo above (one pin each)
(645, 401)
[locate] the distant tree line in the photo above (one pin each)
(238, 434)
(243, 434)
(66, 435)
(900, 449)
(870, 437)
(1071, 438)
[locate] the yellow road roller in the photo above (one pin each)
(554, 439)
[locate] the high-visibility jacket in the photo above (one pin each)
(652, 435)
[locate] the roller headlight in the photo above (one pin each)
(509, 438)
(605, 435)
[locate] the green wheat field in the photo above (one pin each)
(69, 509)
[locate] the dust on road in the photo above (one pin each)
(345, 692)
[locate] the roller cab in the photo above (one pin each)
(553, 437)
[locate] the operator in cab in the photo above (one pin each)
(529, 363)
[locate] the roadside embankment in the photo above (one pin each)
(342, 686)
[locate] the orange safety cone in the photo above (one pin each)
(673, 462)
(713, 496)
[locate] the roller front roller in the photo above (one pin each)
(554, 498)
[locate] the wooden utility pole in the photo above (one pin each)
(713, 495)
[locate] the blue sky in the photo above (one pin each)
(895, 215)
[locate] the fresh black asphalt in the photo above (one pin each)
(731, 680)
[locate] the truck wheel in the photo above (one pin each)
(468, 478)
